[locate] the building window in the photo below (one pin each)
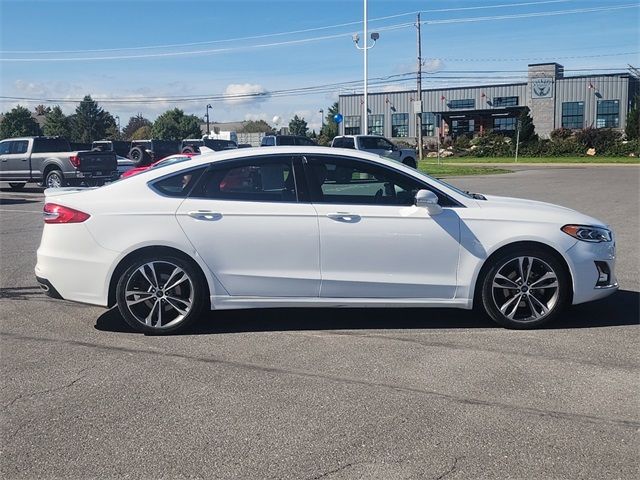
(400, 125)
(504, 124)
(352, 125)
(608, 115)
(428, 124)
(462, 127)
(572, 115)
(376, 125)
(468, 103)
(505, 101)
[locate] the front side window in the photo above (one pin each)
(374, 143)
(428, 124)
(400, 125)
(376, 125)
(572, 115)
(344, 142)
(608, 115)
(305, 141)
(268, 141)
(286, 140)
(338, 180)
(352, 125)
(255, 180)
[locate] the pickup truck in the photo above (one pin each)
(377, 144)
(51, 162)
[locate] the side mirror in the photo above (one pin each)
(428, 200)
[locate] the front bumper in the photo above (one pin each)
(588, 283)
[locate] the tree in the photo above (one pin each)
(90, 121)
(135, 123)
(632, 130)
(330, 128)
(297, 126)
(18, 123)
(57, 124)
(175, 125)
(257, 126)
(527, 128)
(143, 133)
(42, 110)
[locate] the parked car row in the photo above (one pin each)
(52, 162)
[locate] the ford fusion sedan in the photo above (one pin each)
(308, 226)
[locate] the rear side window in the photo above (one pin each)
(305, 141)
(179, 184)
(344, 142)
(284, 140)
(47, 145)
(5, 148)
(258, 180)
(20, 146)
(268, 141)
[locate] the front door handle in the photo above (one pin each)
(205, 215)
(344, 217)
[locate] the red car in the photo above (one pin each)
(170, 160)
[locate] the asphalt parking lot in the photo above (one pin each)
(311, 394)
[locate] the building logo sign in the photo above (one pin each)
(542, 87)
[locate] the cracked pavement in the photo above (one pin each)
(326, 394)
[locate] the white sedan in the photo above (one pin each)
(314, 227)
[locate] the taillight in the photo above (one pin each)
(54, 213)
(75, 160)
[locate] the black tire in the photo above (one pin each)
(16, 186)
(410, 162)
(54, 179)
(532, 291)
(135, 306)
(189, 149)
(140, 156)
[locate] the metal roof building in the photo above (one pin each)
(554, 101)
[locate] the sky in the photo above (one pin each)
(62, 50)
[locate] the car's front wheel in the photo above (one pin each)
(160, 294)
(524, 288)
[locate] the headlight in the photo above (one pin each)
(587, 233)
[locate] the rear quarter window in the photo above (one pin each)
(177, 184)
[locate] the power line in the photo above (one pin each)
(292, 32)
(314, 39)
(524, 59)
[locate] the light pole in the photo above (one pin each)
(118, 119)
(321, 111)
(374, 36)
(208, 107)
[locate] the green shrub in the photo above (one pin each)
(602, 139)
(561, 134)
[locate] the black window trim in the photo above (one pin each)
(152, 186)
(428, 186)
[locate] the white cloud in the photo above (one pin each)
(433, 65)
(254, 93)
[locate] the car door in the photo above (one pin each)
(374, 243)
(250, 222)
(19, 160)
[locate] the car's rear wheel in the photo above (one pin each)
(160, 294)
(525, 288)
(54, 179)
(17, 186)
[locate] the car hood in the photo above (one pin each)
(524, 209)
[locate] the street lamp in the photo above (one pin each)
(208, 107)
(356, 39)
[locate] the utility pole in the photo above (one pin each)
(518, 138)
(418, 115)
(208, 107)
(366, 74)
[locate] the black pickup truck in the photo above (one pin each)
(51, 162)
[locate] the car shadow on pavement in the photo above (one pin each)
(16, 201)
(23, 190)
(623, 308)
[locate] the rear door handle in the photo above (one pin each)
(205, 215)
(344, 217)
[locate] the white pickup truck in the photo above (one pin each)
(377, 144)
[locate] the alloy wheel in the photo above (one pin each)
(159, 294)
(54, 181)
(525, 289)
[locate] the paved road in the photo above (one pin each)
(312, 394)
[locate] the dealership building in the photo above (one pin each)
(554, 101)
